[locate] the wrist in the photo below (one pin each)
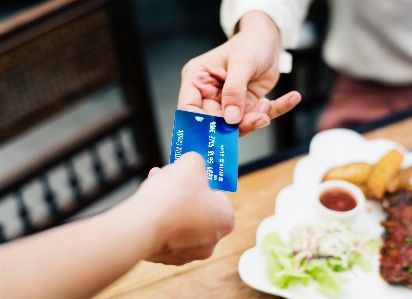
(258, 21)
(136, 225)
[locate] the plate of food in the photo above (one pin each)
(311, 249)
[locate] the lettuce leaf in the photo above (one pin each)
(280, 262)
(329, 282)
(285, 267)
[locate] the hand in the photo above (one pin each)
(189, 216)
(173, 218)
(231, 81)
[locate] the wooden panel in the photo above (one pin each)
(51, 71)
(17, 20)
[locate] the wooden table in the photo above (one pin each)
(217, 277)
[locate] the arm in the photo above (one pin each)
(173, 218)
(288, 16)
(233, 79)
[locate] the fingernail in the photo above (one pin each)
(294, 100)
(232, 114)
(263, 122)
(264, 108)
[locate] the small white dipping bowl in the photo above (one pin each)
(347, 217)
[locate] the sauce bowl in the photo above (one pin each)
(339, 186)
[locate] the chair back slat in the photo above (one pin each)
(120, 152)
(98, 170)
(24, 213)
(3, 237)
(49, 196)
(73, 180)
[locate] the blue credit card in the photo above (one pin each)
(215, 140)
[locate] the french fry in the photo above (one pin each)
(364, 189)
(356, 173)
(400, 181)
(383, 172)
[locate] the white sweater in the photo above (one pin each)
(367, 39)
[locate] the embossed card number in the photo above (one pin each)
(215, 140)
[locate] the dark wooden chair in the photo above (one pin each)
(52, 57)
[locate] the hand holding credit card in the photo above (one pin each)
(215, 140)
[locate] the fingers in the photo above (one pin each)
(216, 203)
(253, 121)
(184, 255)
(189, 96)
(256, 118)
(262, 106)
(193, 161)
(264, 110)
(193, 218)
(225, 216)
(234, 90)
(153, 171)
(202, 81)
(284, 104)
(212, 107)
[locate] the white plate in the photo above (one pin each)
(293, 206)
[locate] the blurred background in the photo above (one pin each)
(175, 31)
(172, 32)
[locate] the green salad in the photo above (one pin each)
(318, 252)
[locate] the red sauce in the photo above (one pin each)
(338, 200)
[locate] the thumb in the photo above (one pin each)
(234, 90)
(153, 171)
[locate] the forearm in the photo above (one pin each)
(75, 260)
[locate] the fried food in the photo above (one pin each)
(364, 190)
(383, 172)
(375, 180)
(401, 181)
(356, 173)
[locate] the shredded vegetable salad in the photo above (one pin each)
(318, 252)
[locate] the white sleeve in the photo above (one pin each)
(287, 14)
